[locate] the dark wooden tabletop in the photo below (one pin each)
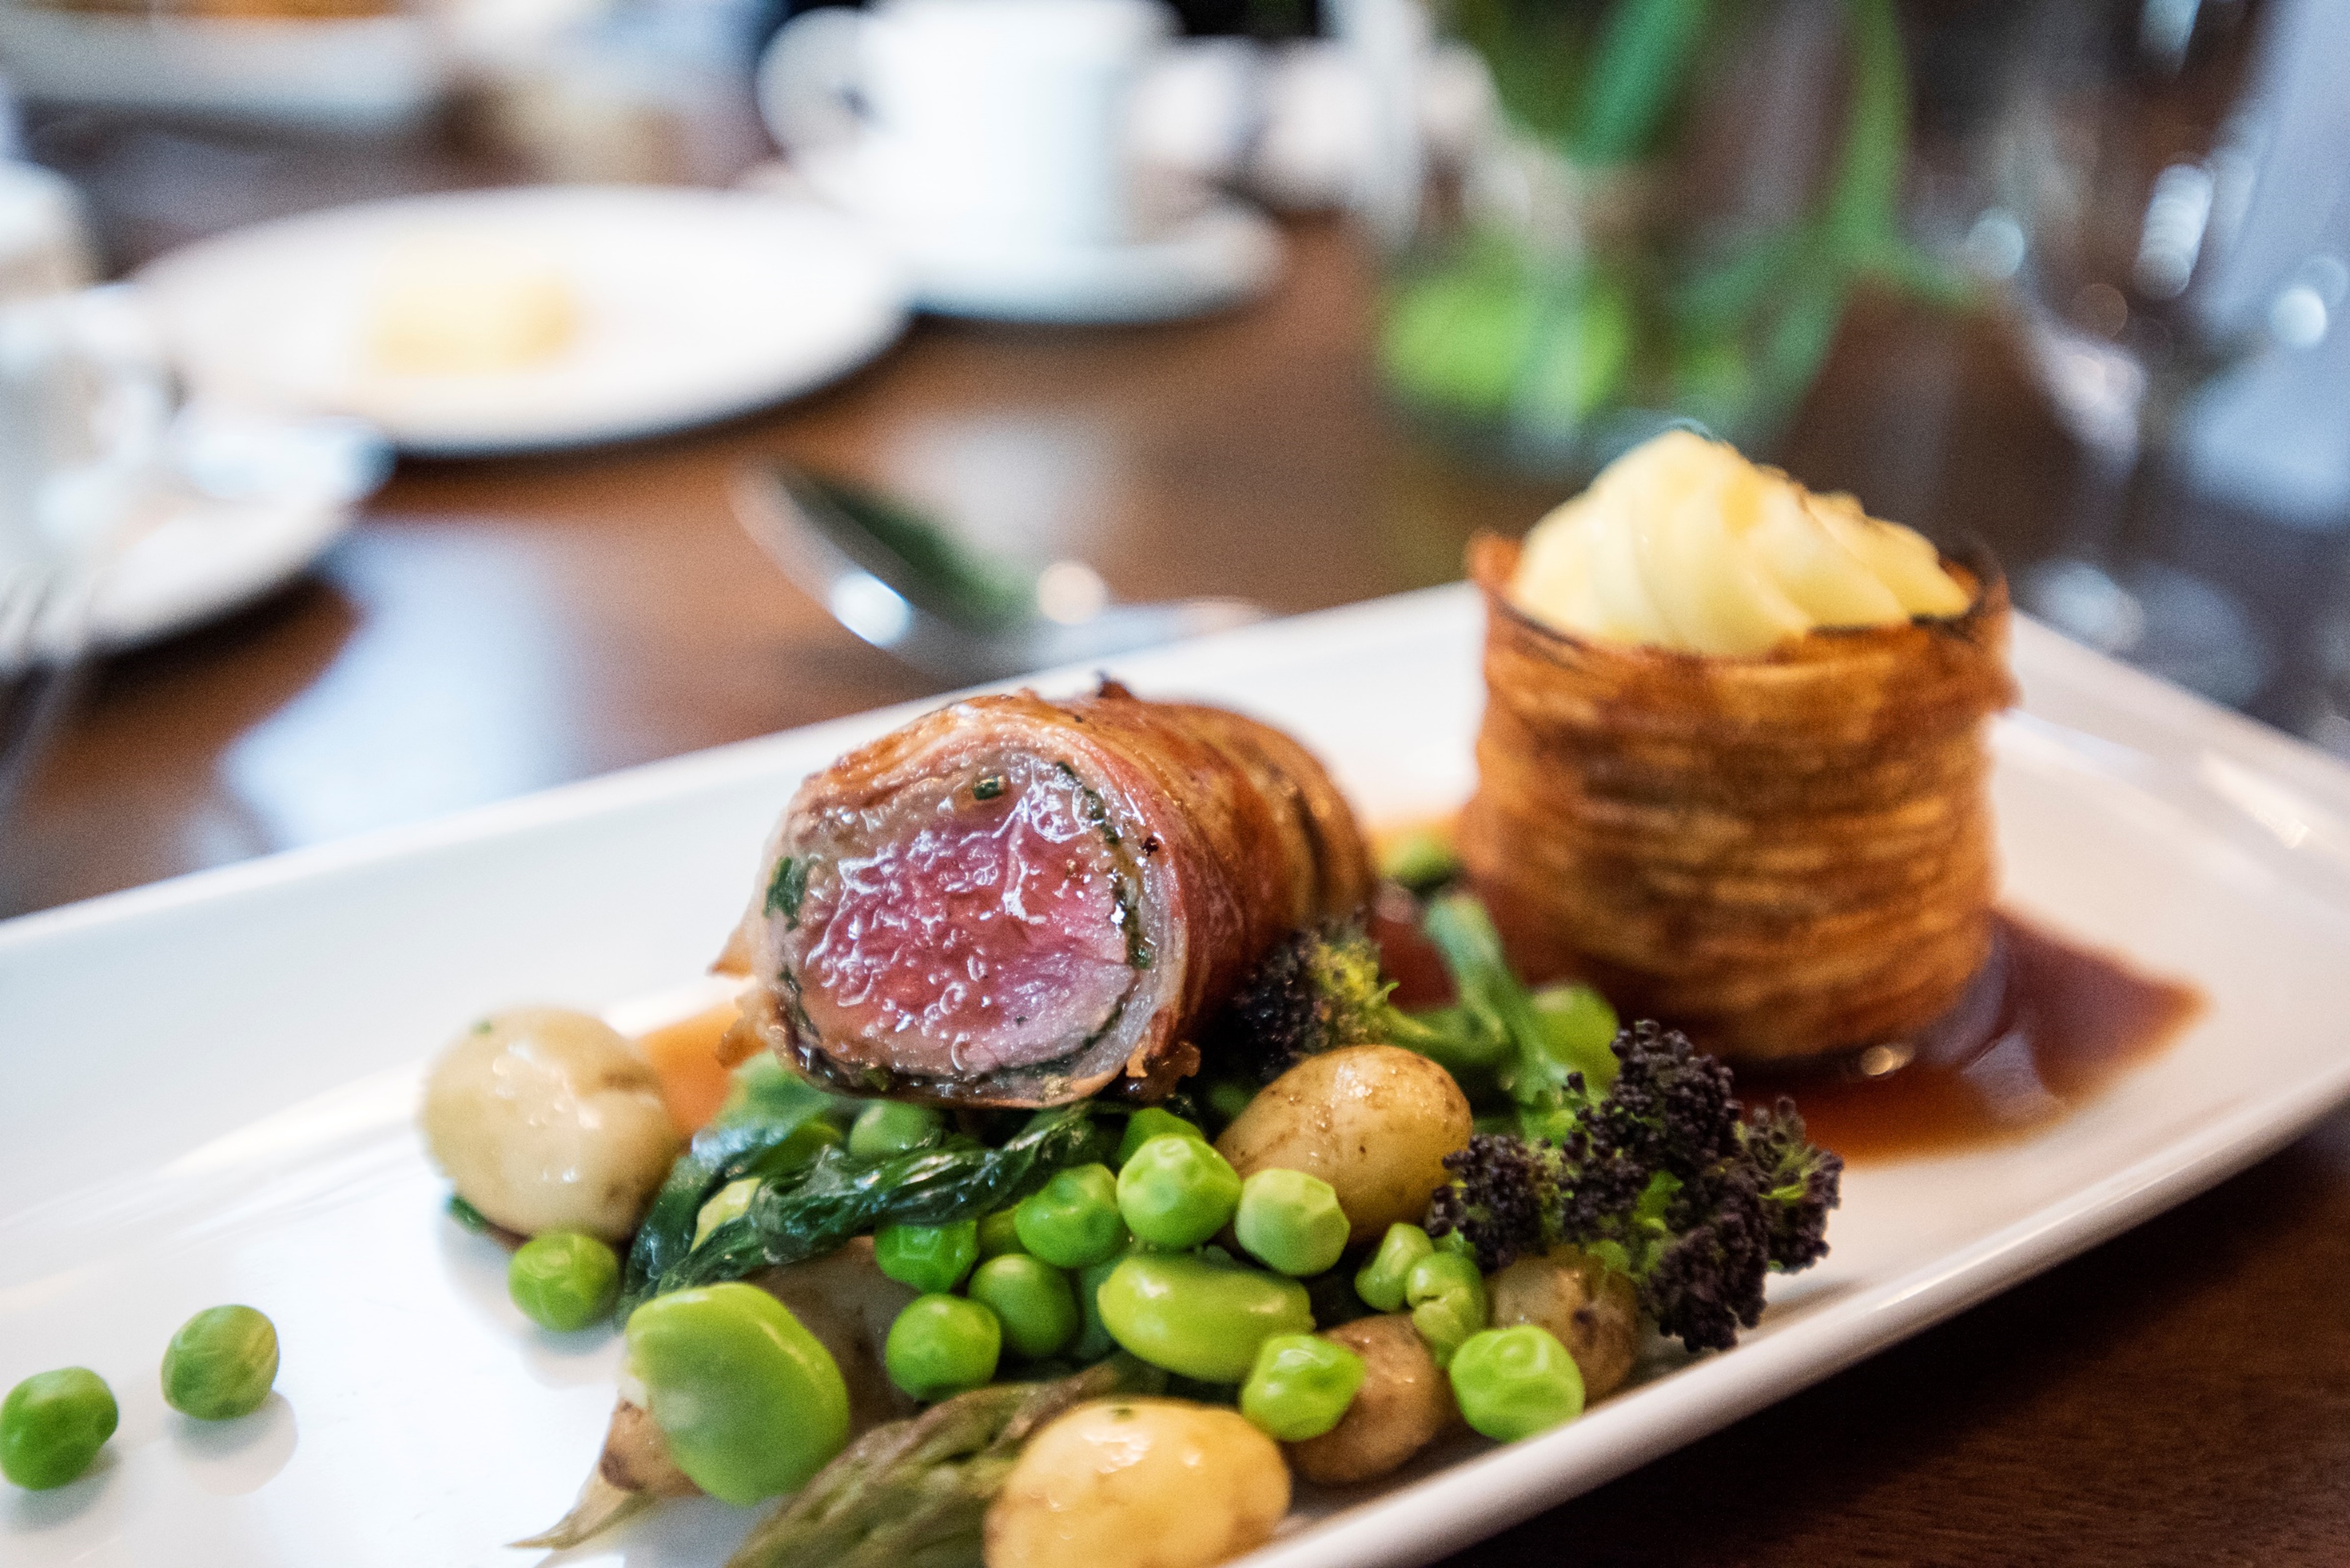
(2181, 1395)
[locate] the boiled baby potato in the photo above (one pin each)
(1588, 1306)
(1404, 1405)
(545, 1120)
(1139, 1483)
(1372, 1121)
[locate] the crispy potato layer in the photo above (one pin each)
(1786, 855)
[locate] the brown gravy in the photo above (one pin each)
(2045, 1026)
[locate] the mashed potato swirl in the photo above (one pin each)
(1682, 544)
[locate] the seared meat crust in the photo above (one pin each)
(1227, 835)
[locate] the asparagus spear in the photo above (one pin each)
(914, 1494)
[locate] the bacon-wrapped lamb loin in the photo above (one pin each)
(1019, 902)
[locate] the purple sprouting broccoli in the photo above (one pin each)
(1658, 1175)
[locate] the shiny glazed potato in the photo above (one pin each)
(1404, 1405)
(545, 1120)
(1590, 1309)
(1139, 1483)
(1372, 1121)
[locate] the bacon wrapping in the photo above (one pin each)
(1012, 901)
(1786, 855)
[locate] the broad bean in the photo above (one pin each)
(1199, 1317)
(751, 1404)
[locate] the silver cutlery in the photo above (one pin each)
(908, 587)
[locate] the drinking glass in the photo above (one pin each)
(2122, 165)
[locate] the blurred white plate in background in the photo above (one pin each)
(691, 306)
(351, 73)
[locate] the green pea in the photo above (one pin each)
(750, 1403)
(888, 1127)
(1579, 1027)
(1033, 1299)
(1199, 1317)
(52, 1425)
(1150, 1122)
(223, 1362)
(942, 1345)
(563, 1280)
(1072, 1221)
(999, 1233)
(731, 1201)
(1300, 1387)
(1446, 1297)
(1380, 1281)
(926, 1256)
(1176, 1191)
(1514, 1382)
(1291, 1222)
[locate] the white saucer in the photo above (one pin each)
(1221, 254)
(207, 558)
(693, 305)
(246, 504)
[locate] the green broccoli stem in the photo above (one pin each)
(1501, 1029)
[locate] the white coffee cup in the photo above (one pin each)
(44, 246)
(999, 121)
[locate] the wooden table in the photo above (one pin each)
(2180, 1396)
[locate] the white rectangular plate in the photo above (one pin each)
(206, 1089)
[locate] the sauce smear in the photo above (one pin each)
(2045, 1027)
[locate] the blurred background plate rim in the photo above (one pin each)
(860, 322)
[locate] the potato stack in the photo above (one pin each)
(1786, 855)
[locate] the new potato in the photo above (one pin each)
(1404, 1404)
(1588, 1308)
(1139, 1483)
(1372, 1121)
(545, 1120)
